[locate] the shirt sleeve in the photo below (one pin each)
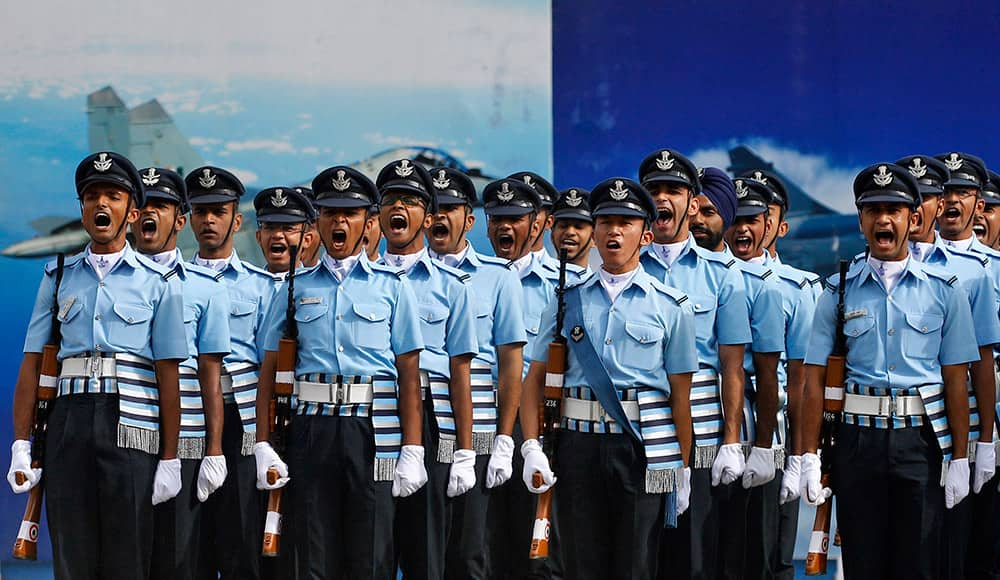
(824, 325)
(982, 301)
(461, 336)
(40, 323)
(680, 353)
(169, 338)
(732, 321)
(272, 327)
(956, 346)
(508, 312)
(213, 327)
(405, 334)
(538, 348)
(767, 323)
(797, 333)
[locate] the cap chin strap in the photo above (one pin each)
(173, 231)
(124, 221)
(232, 223)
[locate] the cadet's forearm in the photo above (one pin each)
(265, 391)
(25, 391)
(956, 402)
(170, 406)
(531, 399)
(983, 384)
(209, 378)
(460, 394)
(796, 387)
(410, 411)
(511, 365)
(812, 407)
(766, 372)
(731, 363)
(680, 408)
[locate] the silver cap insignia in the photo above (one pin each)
(207, 179)
(741, 189)
(573, 198)
(442, 181)
(883, 177)
(278, 198)
(954, 162)
(665, 162)
(619, 191)
(404, 169)
(102, 163)
(760, 177)
(917, 168)
(151, 177)
(505, 194)
(341, 182)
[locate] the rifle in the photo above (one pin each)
(26, 544)
(833, 405)
(550, 416)
(281, 410)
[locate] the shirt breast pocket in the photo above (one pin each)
(922, 335)
(432, 326)
(370, 325)
(69, 309)
(130, 327)
(484, 322)
(242, 319)
(312, 332)
(532, 320)
(704, 316)
(858, 336)
(643, 348)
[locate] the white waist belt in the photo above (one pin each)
(903, 406)
(334, 393)
(90, 366)
(582, 410)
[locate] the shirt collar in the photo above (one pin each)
(453, 260)
(167, 259)
(961, 244)
(348, 264)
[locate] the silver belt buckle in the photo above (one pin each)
(602, 413)
(96, 366)
(886, 406)
(337, 393)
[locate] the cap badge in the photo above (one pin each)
(505, 194)
(619, 191)
(760, 177)
(741, 189)
(953, 162)
(442, 181)
(102, 163)
(917, 168)
(883, 177)
(527, 180)
(207, 179)
(573, 198)
(577, 333)
(278, 198)
(404, 169)
(341, 182)
(665, 162)
(701, 172)
(151, 177)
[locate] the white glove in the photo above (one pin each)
(501, 464)
(167, 481)
(956, 484)
(211, 475)
(536, 461)
(986, 465)
(410, 474)
(684, 491)
(729, 464)
(760, 467)
(267, 458)
(816, 494)
(20, 462)
(462, 476)
(791, 482)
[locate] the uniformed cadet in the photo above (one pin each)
(232, 521)
(987, 223)
(631, 356)
(548, 194)
(407, 206)
(962, 199)
(572, 230)
(355, 440)
(310, 247)
(206, 319)
(496, 369)
(904, 428)
(717, 296)
(284, 218)
(122, 332)
(512, 209)
(932, 176)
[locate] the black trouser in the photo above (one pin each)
(467, 555)
(98, 497)
(177, 537)
(343, 517)
(732, 501)
(763, 521)
(690, 550)
(510, 519)
(610, 527)
(232, 529)
(889, 501)
(421, 526)
(983, 559)
(788, 529)
(955, 538)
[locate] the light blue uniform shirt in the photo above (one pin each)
(814, 280)
(716, 294)
(538, 289)
(355, 327)
(496, 302)
(900, 340)
(973, 271)
(767, 319)
(446, 322)
(797, 306)
(250, 292)
(206, 312)
(645, 335)
(138, 309)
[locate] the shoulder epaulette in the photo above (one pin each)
(387, 270)
(674, 294)
(201, 271)
(163, 271)
(453, 271)
(257, 269)
(718, 257)
(580, 282)
(766, 274)
(494, 260)
(941, 274)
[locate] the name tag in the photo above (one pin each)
(855, 314)
(66, 305)
(310, 300)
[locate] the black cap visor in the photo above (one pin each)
(886, 196)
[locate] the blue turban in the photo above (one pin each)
(717, 186)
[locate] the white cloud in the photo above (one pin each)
(204, 141)
(309, 151)
(245, 175)
(813, 172)
(269, 145)
(396, 140)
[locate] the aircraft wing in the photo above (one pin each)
(742, 159)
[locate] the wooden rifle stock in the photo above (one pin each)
(280, 410)
(833, 405)
(549, 418)
(26, 543)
